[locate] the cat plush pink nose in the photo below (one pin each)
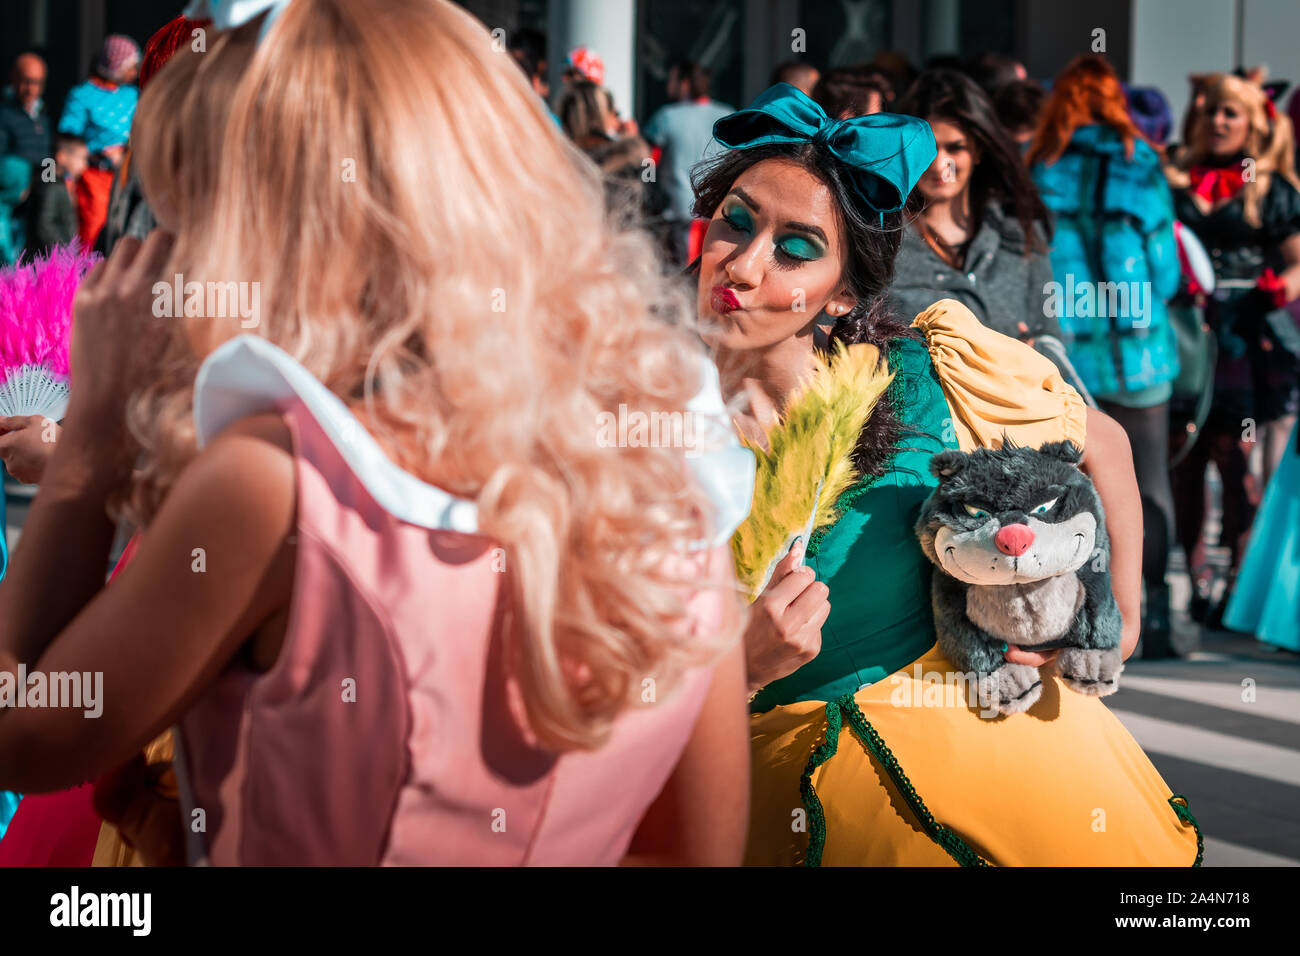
(1014, 539)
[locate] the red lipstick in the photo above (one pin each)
(724, 300)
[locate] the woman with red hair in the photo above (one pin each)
(1115, 266)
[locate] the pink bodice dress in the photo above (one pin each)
(387, 731)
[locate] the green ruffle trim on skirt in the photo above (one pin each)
(846, 708)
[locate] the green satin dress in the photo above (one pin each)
(870, 559)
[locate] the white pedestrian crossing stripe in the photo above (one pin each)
(1223, 853)
(1278, 703)
(1212, 748)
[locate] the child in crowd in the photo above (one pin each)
(51, 210)
(101, 110)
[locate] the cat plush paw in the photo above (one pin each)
(1011, 689)
(1091, 671)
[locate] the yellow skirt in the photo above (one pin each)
(1063, 784)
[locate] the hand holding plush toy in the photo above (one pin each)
(1018, 537)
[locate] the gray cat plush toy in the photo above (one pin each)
(1018, 539)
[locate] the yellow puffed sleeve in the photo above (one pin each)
(997, 385)
(111, 849)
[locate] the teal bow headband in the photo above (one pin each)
(228, 14)
(886, 153)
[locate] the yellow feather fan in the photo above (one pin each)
(808, 462)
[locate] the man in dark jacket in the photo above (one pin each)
(24, 127)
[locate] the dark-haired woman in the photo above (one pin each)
(982, 231)
(804, 225)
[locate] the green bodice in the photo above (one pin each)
(879, 579)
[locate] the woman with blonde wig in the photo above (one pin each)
(1236, 188)
(405, 593)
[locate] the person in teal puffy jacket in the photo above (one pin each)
(15, 177)
(1115, 266)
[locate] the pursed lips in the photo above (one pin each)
(723, 300)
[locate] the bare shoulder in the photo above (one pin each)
(243, 481)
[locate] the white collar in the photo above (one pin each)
(248, 375)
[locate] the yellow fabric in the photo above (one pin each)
(110, 848)
(1063, 784)
(998, 385)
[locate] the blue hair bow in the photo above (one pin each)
(228, 14)
(887, 153)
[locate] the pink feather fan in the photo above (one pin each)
(36, 331)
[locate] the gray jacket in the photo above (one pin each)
(1000, 284)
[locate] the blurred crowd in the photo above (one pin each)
(1157, 262)
(56, 179)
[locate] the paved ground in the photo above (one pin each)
(1222, 724)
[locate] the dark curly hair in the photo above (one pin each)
(871, 244)
(848, 90)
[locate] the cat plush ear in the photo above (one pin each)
(1066, 451)
(948, 463)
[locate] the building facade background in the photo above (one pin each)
(1150, 42)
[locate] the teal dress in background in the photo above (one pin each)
(1266, 600)
(880, 618)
